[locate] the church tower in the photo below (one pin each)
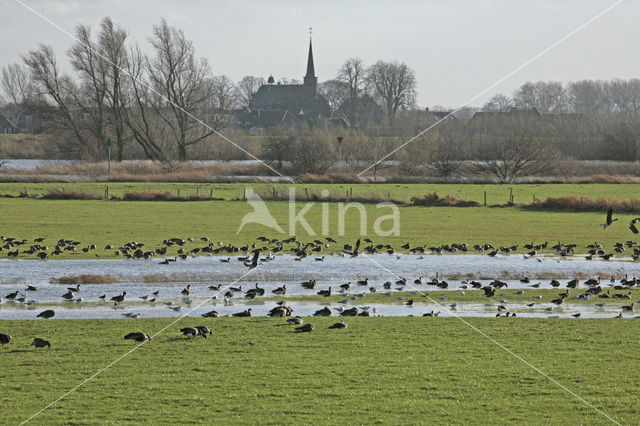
(310, 80)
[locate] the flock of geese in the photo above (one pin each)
(183, 248)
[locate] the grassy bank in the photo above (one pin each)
(392, 370)
(101, 223)
(496, 194)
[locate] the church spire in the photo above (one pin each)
(310, 78)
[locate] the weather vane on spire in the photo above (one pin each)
(310, 31)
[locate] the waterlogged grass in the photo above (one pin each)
(496, 193)
(108, 222)
(391, 370)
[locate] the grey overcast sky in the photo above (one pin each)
(457, 48)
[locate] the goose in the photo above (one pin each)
(49, 313)
(307, 328)
(246, 313)
(576, 315)
(31, 288)
(227, 260)
(75, 289)
(104, 296)
(211, 314)
(350, 312)
(175, 308)
(609, 220)
(190, 332)
(137, 336)
(632, 225)
(630, 307)
(40, 343)
(364, 282)
(132, 315)
(187, 290)
(324, 312)
(429, 314)
(325, 293)
(5, 339)
(530, 305)
(280, 311)
(68, 295)
(338, 325)
(294, 321)
(310, 285)
(215, 287)
(204, 330)
(409, 302)
(280, 290)
(120, 298)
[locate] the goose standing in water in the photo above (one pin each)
(49, 313)
(186, 291)
(40, 343)
(120, 298)
(325, 293)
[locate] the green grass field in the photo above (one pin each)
(111, 222)
(378, 370)
(496, 194)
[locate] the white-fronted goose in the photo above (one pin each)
(246, 313)
(305, 328)
(340, 324)
(211, 314)
(324, 312)
(294, 321)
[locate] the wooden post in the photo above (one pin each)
(511, 195)
(178, 192)
(210, 193)
(485, 198)
(306, 191)
(274, 193)
(197, 191)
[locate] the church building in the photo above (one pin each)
(274, 103)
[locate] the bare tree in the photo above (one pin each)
(222, 100)
(311, 151)
(448, 149)
(180, 78)
(395, 84)
(513, 150)
(546, 97)
(277, 148)
(353, 73)
(17, 87)
(498, 103)
(113, 50)
(247, 88)
(335, 92)
(57, 108)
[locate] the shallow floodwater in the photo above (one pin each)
(141, 278)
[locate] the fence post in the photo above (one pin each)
(210, 193)
(485, 198)
(306, 191)
(178, 192)
(197, 191)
